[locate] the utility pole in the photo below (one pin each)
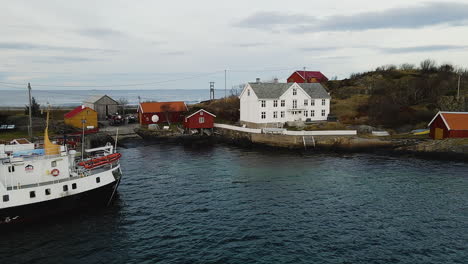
(225, 86)
(305, 78)
(30, 132)
(458, 90)
(212, 95)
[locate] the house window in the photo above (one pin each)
(47, 192)
(283, 103)
(294, 91)
(201, 113)
(312, 113)
(323, 101)
(282, 114)
(323, 112)
(294, 104)
(11, 168)
(201, 120)
(275, 114)
(248, 92)
(263, 115)
(306, 113)
(53, 164)
(275, 103)
(32, 194)
(312, 102)
(306, 102)
(263, 102)
(73, 186)
(65, 188)
(6, 198)
(98, 180)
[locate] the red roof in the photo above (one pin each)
(312, 74)
(454, 120)
(159, 107)
(76, 111)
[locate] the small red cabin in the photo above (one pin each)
(449, 125)
(199, 119)
(165, 111)
(307, 76)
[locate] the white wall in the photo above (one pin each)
(250, 107)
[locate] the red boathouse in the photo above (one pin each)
(199, 119)
(449, 125)
(165, 111)
(307, 77)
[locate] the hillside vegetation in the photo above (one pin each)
(404, 97)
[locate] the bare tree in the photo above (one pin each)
(428, 65)
(407, 67)
(123, 102)
(166, 108)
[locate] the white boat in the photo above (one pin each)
(39, 183)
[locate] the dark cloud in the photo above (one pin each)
(29, 46)
(428, 14)
(427, 48)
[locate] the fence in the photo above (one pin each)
(293, 133)
(242, 129)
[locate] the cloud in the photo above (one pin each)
(173, 53)
(271, 20)
(427, 48)
(62, 59)
(29, 46)
(251, 44)
(428, 14)
(313, 49)
(100, 32)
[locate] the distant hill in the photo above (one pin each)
(403, 97)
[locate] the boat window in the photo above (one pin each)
(65, 188)
(32, 194)
(98, 180)
(47, 191)
(6, 198)
(53, 163)
(74, 186)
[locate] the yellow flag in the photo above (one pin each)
(49, 147)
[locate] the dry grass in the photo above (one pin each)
(348, 110)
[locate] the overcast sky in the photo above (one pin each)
(155, 44)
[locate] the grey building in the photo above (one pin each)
(103, 105)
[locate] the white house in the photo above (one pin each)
(273, 104)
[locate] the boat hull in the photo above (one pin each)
(44, 211)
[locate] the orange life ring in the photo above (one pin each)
(55, 172)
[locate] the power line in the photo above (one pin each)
(122, 85)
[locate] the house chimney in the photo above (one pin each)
(257, 80)
(275, 80)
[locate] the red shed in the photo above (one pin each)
(166, 111)
(449, 125)
(307, 76)
(199, 119)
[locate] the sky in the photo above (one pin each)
(123, 44)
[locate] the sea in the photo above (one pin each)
(70, 98)
(223, 204)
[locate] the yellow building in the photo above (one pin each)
(76, 116)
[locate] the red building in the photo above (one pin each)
(307, 76)
(199, 119)
(449, 125)
(162, 112)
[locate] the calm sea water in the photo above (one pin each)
(227, 205)
(14, 98)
